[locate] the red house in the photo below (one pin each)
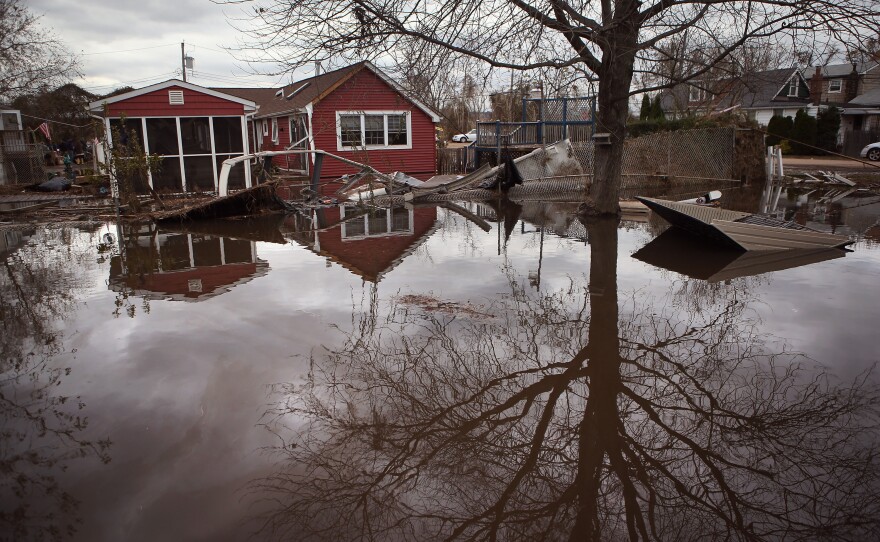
(192, 128)
(356, 112)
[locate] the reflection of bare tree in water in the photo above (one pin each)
(40, 430)
(557, 420)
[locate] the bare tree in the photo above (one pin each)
(549, 417)
(31, 60)
(612, 39)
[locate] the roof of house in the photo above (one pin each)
(751, 91)
(297, 95)
(869, 98)
(98, 105)
(842, 70)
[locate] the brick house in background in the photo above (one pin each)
(356, 112)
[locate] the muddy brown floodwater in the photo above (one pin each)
(407, 375)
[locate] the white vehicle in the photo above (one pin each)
(871, 152)
(464, 138)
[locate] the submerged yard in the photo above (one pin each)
(409, 375)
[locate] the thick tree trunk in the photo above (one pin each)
(615, 78)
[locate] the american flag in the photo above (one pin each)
(45, 129)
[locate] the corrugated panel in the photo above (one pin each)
(755, 237)
(700, 212)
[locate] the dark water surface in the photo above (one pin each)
(411, 376)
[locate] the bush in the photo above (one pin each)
(779, 129)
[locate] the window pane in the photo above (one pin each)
(195, 135)
(227, 135)
(378, 223)
(199, 173)
(236, 174)
(374, 129)
(162, 136)
(355, 227)
(399, 219)
(397, 130)
(168, 177)
(350, 126)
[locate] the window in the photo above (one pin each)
(373, 129)
(378, 223)
(779, 112)
(793, 87)
(697, 94)
(265, 125)
(350, 130)
(835, 85)
(275, 131)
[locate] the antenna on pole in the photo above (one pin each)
(185, 62)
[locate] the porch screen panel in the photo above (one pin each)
(237, 251)
(397, 134)
(174, 251)
(122, 134)
(199, 172)
(162, 136)
(195, 134)
(400, 219)
(206, 250)
(227, 135)
(168, 177)
(350, 127)
(374, 129)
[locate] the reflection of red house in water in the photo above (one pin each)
(185, 267)
(369, 244)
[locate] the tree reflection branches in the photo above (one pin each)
(41, 430)
(557, 418)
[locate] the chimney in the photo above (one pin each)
(816, 86)
(852, 84)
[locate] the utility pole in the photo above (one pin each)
(183, 62)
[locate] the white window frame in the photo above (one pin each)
(696, 93)
(794, 86)
(831, 85)
(274, 130)
(385, 113)
(265, 124)
(366, 222)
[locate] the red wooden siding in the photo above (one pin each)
(365, 91)
(265, 142)
(155, 104)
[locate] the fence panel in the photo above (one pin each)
(22, 163)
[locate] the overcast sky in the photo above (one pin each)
(105, 32)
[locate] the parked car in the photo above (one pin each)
(871, 152)
(464, 138)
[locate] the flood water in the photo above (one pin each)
(491, 371)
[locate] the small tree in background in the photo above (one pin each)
(645, 112)
(827, 127)
(657, 113)
(803, 133)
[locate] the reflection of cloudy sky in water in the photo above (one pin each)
(179, 390)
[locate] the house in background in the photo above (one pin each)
(838, 84)
(193, 128)
(760, 95)
(356, 112)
